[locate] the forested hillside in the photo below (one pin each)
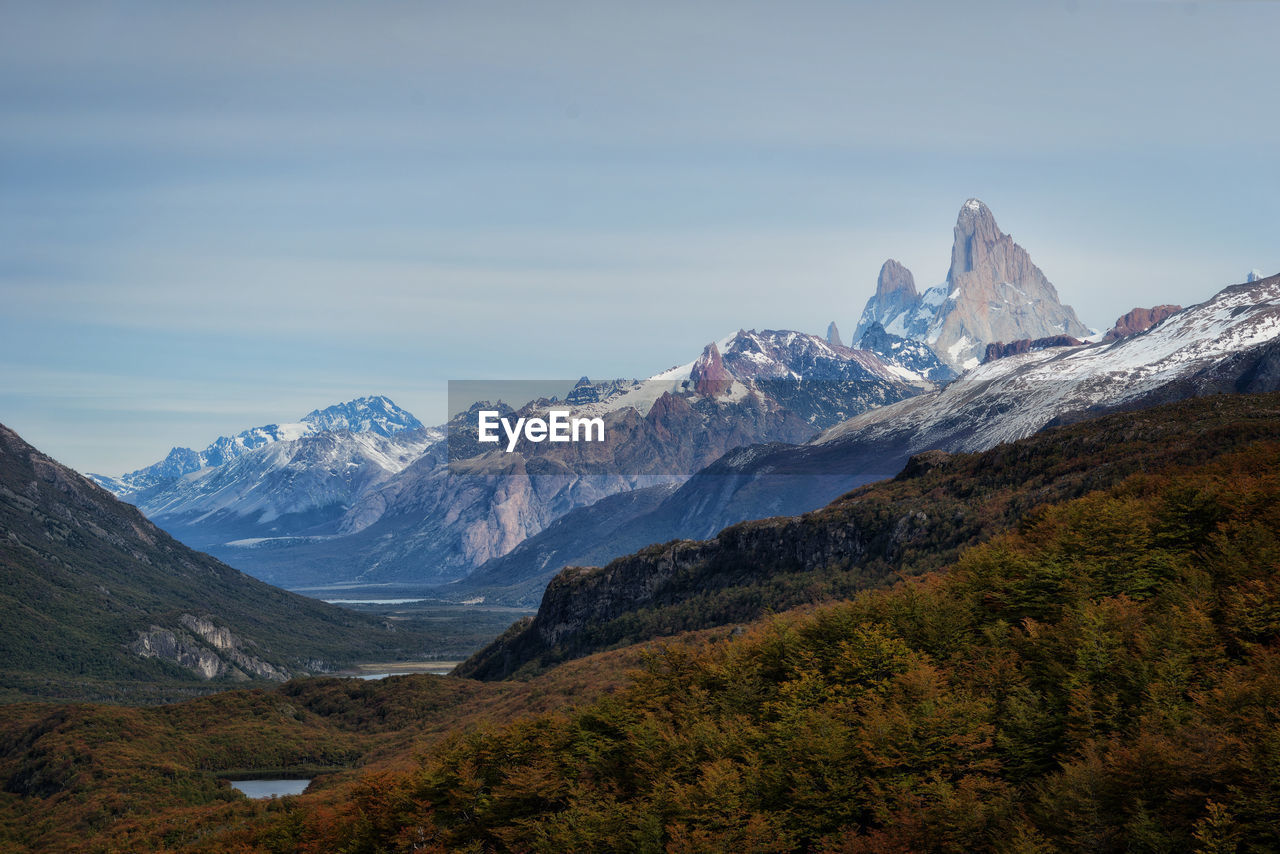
(1104, 679)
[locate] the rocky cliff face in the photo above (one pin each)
(206, 649)
(996, 293)
(708, 374)
(993, 293)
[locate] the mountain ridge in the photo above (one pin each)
(101, 602)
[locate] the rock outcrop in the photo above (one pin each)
(1140, 320)
(708, 375)
(1000, 350)
(833, 335)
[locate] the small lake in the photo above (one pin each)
(269, 788)
(398, 668)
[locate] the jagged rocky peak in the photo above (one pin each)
(895, 306)
(993, 292)
(709, 376)
(976, 234)
(896, 279)
(376, 414)
(582, 393)
(1139, 320)
(833, 335)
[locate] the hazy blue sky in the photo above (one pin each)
(216, 215)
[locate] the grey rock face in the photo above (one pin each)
(995, 293)
(204, 648)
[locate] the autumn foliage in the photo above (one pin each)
(1103, 677)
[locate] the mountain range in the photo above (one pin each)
(361, 491)
(1230, 343)
(760, 423)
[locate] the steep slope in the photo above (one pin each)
(100, 602)
(993, 292)
(919, 521)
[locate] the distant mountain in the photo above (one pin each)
(377, 415)
(993, 292)
(99, 602)
(427, 524)
(833, 334)
(283, 480)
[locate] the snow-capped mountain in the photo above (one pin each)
(915, 356)
(294, 487)
(366, 414)
(820, 382)
(993, 292)
(1228, 343)
(282, 480)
